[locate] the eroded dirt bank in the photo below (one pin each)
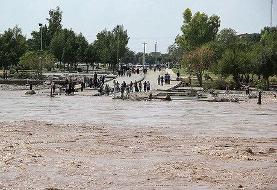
(37, 155)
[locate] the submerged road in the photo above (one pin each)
(152, 77)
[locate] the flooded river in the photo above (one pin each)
(195, 117)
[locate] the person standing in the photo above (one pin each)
(54, 87)
(140, 86)
(162, 80)
(178, 76)
(136, 87)
(103, 79)
(127, 91)
(131, 86)
(144, 86)
(122, 90)
(114, 86)
(148, 86)
(159, 80)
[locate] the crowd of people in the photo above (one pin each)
(126, 89)
(164, 79)
(98, 82)
(127, 71)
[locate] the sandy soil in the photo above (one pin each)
(37, 155)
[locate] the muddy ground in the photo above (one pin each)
(39, 155)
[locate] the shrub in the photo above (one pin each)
(261, 85)
(219, 84)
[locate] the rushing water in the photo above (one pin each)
(231, 119)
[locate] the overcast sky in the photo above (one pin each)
(146, 20)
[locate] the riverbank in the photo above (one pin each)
(42, 155)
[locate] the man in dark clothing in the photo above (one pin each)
(159, 80)
(144, 86)
(140, 86)
(162, 80)
(136, 87)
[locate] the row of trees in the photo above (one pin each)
(201, 48)
(62, 44)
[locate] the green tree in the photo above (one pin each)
(37, 61)
(175, 54)
(267, 54)
(82, 47)
(54, 21)
(197, 30)
(91, 55)
(129, 57)
(235, 61)
(48, 31)
(199, 60)
(103, 45)
(112, 45)
(65, 47)
(34, 43)
(57, 46)
(12, 46)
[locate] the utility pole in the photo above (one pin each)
(40, 58)
(156, 56)
(271, 15)
(143, 59)
(40, 36)
(117, 52)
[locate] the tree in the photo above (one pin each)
(34, 44)
(120, 42)
(48, 31)
(37, 61)
(175, 53)
(65, 47)
(267, 53)
(129, 57)
(91, 55)
(12, 46)
(103, 45)
(54, 21)
(57, 46)
(82, 47)
(197, 30)
(235, 61)
(198, 61)
(112, 45)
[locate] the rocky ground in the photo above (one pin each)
(37, 155)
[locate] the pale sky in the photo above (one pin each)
(146, 20)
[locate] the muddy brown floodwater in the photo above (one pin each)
(84, 142)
